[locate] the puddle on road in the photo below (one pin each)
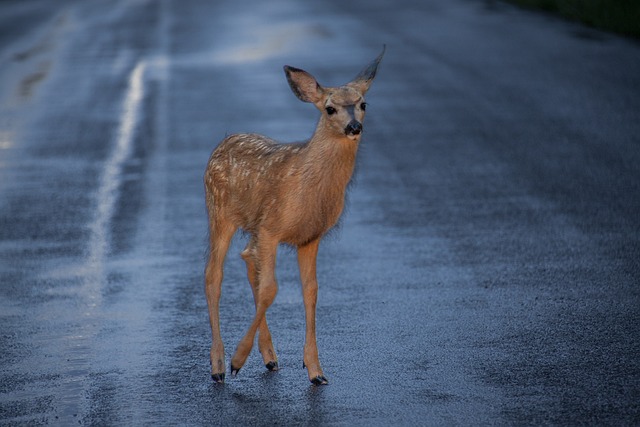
(33, 63)
(6, 140)
(266, 41)
(28, 84)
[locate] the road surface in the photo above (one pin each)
(486, 271)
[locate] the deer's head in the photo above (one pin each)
(343, 108)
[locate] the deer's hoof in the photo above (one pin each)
(234, 371)
(272, 366)
(319, 380)
(218, 378)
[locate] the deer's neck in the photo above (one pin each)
(330, 159)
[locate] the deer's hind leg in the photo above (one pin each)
(264, 335)
(265, 292)
(221, 232)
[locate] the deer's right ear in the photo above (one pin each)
(303, 85)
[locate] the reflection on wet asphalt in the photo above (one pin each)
(486, 270)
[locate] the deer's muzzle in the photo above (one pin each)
(353, 128)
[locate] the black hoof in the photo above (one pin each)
(319, 380)
(272, 366)
(234, 371)
(218, 378)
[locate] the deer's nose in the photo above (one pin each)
(353, 128)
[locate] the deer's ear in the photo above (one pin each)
(363, 80)
(303, 85)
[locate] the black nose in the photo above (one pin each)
(353, 128)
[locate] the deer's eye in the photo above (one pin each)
(363, 106)
(331, 110)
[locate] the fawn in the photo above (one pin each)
(281, 193)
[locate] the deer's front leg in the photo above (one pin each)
(307, 261)
(264, 338)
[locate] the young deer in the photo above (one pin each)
(281, 193)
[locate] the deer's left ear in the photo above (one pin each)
(363, 80)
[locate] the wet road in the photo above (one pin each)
(486, 271)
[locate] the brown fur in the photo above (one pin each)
(281, 193)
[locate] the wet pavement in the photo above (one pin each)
(486, 271)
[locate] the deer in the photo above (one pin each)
(281, 193)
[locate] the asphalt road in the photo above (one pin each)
(486, 272)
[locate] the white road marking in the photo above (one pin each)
(112, 177)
